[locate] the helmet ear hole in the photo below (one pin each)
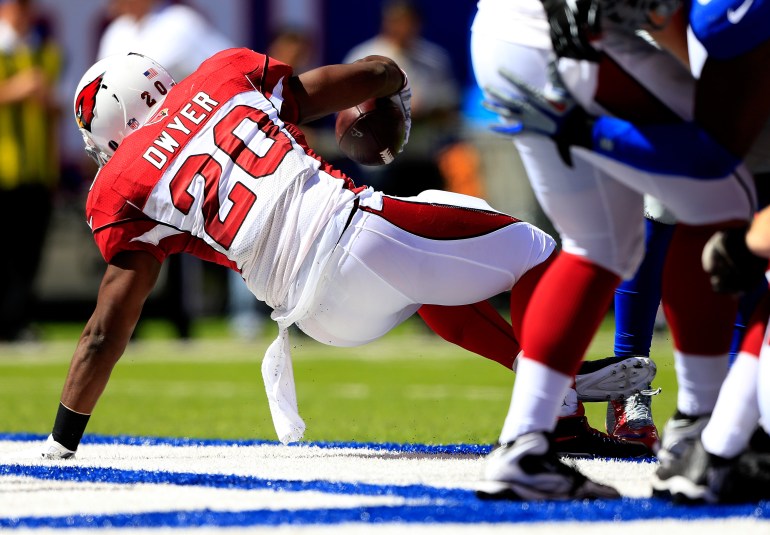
(113, 144)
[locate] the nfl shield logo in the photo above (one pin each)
(133, 123)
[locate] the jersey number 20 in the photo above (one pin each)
(223, 231)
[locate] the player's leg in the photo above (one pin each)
(636, 305)
(478, 327)
(481, 329)
(716, 464)
(399, 253)
(577, 201)
(701, 334)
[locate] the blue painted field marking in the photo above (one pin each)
(127, 440)
(428, 504)
(469, 512)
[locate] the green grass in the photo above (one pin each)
(410, 386)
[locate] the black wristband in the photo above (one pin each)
(69, 427)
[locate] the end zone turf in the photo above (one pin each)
(154, 484)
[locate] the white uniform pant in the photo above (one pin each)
(597, 205)
(400, 253)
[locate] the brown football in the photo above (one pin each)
(371, 133)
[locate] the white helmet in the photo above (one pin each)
(116, 96)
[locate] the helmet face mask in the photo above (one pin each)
(115, 97)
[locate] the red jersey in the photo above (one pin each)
(221, 172)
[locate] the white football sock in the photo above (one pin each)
(537, 397)
(699, 379)
(736, 413)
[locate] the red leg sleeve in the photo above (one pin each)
(522, 291)
(478, 328)
(566, 309)
(701, 320)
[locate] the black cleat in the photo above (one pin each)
(573, 437)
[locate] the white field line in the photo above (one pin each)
(30, 497)
(389, 348)
(183, 389)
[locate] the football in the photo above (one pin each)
(371, 133)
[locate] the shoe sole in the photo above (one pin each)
(616, 381)
(504, 490)
(680, 489)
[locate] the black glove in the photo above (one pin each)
(731, 266)
(574, 23)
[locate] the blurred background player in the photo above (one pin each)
(175, 34)
(30, 64)
(592, 203)
(179, 38)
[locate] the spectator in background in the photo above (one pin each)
(30, 64)
(174, 35)
(179, 38)
(435, 100)
(292, 46)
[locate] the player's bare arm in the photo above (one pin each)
(673, 36)
(127, 282)
(758, 237)
(333, 88)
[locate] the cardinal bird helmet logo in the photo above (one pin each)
(85, 103)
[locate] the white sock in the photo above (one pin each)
(699, 379)
(736, 413)
(537, 397)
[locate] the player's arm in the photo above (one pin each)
(128, 280)
(758, 237)
(332, 88)
(673, 37)
(678, 148)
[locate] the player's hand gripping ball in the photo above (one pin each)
(372, 133)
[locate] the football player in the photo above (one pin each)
(216, 166)
(594, 196)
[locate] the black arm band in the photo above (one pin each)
(69, 427)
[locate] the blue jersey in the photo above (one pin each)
(682, 149)
(729, 28)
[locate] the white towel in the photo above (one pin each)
(278, 376)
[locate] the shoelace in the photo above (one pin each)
(638, 408)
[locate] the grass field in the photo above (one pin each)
(397, 436)
(410, 386)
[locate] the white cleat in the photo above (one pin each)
(529, 469)
(54, 451)
(613, 378)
